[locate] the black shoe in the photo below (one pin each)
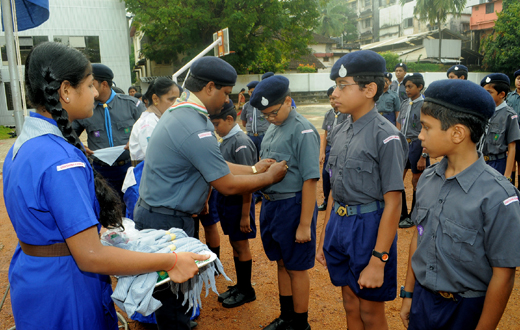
(405, 223)
(193, 324)
(278, 324)
(258, 199)
(322, 207)
(239, 298)
(231, 291)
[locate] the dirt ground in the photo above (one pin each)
(326, 309)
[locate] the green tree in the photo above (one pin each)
(335, 19)
(435, 12)
(502, 47)
(261, 27)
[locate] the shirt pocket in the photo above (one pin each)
(457, 240)
(96, 132)
(496, 134)
(389, 106)
(359, 175)
(418, 221)
(125, 126)
(279, 156)
(331, 167)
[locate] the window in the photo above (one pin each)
(88, 45)
(490, 8)
(326, 59)
(26, 45)
(9, 96)
(368, 3)
(367, 23)
(408, 22)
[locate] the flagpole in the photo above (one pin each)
(7, 15)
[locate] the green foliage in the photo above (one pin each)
(335, 19)
(502, 48)
(257, 28)
(391, 60)
(266, 61)
(307, 68)
(426, 67)
(4, 132)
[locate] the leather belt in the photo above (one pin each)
(348, 210)
(410, 140)
(278, 197)
(52, 250)
(162, 210)
(454, 296)
(495, 157)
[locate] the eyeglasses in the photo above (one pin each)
(341, 86)
(272, 114)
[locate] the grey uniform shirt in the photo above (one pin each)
(255, 121)
(388, 102)
(399, 89)
(366, 160)
(513, 100)
(502, 130)
(183, 156)
(124, 111)
(410, 118)
(466, 224)
(296, 141)
(328, 122)
(239, 149)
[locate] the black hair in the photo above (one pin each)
(460, 73)
(362, 81)
(47, 66)
(196, 85)
(243, 90)
(416, 80)
(118, 90)
(138, 95)
(501, 87)
(132, 87)
(159, 87)
(449, 118)
(224, 114)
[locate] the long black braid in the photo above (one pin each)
(47, 66)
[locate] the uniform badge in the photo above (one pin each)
(265, 101)
(496, 137)
(96, 134)
(342, 71)
(127, 130)
(69, 165)
(511, 200)
(420, 229)
(456, 68)
(488, 79)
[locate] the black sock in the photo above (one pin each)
(404, 207)
(215, 250)
(236, 261)
(300, 321)
(244, 269)
(286, 308)
(413, 201)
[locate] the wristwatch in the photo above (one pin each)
(254, 169)
(381, 255)
(405, 294)
(424, 155)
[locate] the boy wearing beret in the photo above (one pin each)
(332, 118)
(409, 124)
(513, 100)
(464, 252)
(398, 85)
(358, 240)
(458, 72)
(498, 144)
(388, 104)
(288, 215)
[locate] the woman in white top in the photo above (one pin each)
(161, 95)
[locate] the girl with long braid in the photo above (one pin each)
(59, 272)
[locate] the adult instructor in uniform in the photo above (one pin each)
(183, 161)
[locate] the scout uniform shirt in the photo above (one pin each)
(410, 118)
(183, 156)
(297, 142)
(502, 130)
(366, 160)
(332, 118)
(255, 121)
(238, 148)
(513, 100)
(466, 225)
(399, 88)
(388, 104)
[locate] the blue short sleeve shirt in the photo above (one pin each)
(388, 102)
(503, 129)
(255, 121)
(331, 120)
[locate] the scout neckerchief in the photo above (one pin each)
(34, 127)
(407, 117)
(481, 142)
(232, 132)
(190, 101)
(336, 114)
(108, 122)
(253, 125)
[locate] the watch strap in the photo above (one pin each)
(381, 255)
(405, 294)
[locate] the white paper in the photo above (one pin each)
(109, 155)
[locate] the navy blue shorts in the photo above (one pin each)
(432, 311)
(348, 246)
(230, 212)
(389, 115)
(212, 217)
(499, 165)
(278, 223)
(414, 153)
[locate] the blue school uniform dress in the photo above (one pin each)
(466, 225)
(388, 104)
(296, 141)
(236, 148)
(50, 196)
(366, 161)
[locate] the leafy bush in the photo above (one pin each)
(306, 68)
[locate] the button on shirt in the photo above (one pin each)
(296, 141)
(410, 118)
(183, 156)
(466, 224)
(255, 121)
(502, 130)
(399, 89)
(388, 102)
(513, 100)
(331, 120)
(366, 160)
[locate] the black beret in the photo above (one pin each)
(413, 75)
(388, 75)
(360, 63)
(210, 68)
(462, 96)
(401, 65)
(102, 72)
(252, 84)
(226, 110)
(267, 75)
(269, 92)
(457, 68)
(495, 78)
(331, 90)
(517, 73)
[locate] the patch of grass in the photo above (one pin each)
(4, 132)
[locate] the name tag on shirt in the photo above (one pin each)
(390, 138)
(205, 135)
(70, 165)
(307, 131)
(514, 117)
(240, 148)
(511, 200)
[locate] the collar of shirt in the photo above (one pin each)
(501, 106)
(291, 115)
(363, 121)
(110, 99)
(465, 178)
(190, 100)
(231, 133)
(420, 98)
(34, 126)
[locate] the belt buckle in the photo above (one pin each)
(266, 197)
(256, 134)
(381, 113)
(342, 211)
(447, 295)
(409, 140)
(486, 158)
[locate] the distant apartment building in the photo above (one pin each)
(483, 17)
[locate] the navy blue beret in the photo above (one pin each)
(211, 68)
(458, 68)
(495, 78)
(462, 96)
(388, 75)
(360, 63)
(102, 72)
(267, 75)
(517, 73)
(414, 75)
(331, 90)
(269, 92)
(252, 84)
(226, 110)
(401, 65)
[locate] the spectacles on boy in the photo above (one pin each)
(272, 114)
(341, 86)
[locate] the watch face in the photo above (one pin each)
(384, 257)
